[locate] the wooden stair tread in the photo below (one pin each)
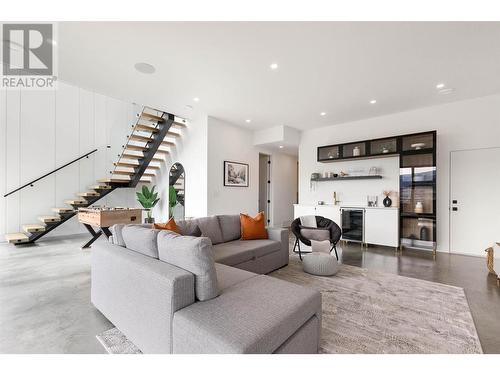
(140, 138)
(127, 173)
(125, 164)
(16, 237)
(113, 180)
(172, 134)
(89, 194)
(147, 128)
(33, 228)
(135, 148)
(137, 157)
(168, 143)
(63, 210)
(150, 116)
(49, 219)
(100, 187)
(76, 202)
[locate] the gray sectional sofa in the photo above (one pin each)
(182, 294)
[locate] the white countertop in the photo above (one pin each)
(348, 205)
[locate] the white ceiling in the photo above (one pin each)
(330, 67)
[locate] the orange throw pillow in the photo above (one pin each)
(169, 225)
(253, 228)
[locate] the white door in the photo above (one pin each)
(474, 200)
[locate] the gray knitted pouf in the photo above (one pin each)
(320, 264)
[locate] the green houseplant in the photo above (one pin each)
(148, 199)
(172, 200)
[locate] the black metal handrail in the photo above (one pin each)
(48, 174)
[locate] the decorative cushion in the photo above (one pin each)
(189, 228)
(308, 221)
(320, 264)
(230, 226)
(169, 225)
(253, 228)
(141, 240)
(116, 231)
(210, 228)
(315, 234)
(194, 255)
(320, 246)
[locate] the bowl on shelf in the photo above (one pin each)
(418, 146)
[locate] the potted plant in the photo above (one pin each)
(148, 199)
(172, 200)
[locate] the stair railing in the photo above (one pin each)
(32, 183)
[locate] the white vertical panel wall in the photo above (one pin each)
(42, 130)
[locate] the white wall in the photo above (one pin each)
(354, 192)
(460, 125)
(191, 152)
(229, 142)
(44, 129)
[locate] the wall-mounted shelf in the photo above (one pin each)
(369, 177)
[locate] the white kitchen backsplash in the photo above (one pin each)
(355, 192)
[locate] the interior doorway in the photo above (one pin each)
(474, 200)
(265, 186)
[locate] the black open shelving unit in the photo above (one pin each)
(417, 180)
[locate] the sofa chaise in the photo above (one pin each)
(181, 294)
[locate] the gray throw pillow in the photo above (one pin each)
(194, 254)
(141, 240)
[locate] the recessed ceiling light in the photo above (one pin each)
(273, 66)
(440, 86)
(281, 146)
(373, 101)
(144, 68)
(248, 121)
(196, 99)
(322, 114)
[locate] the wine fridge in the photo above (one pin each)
(353, 223)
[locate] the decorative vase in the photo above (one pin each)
(419, 208)
(424, 234)
(149, 220)
(387, 201)
(356, 151)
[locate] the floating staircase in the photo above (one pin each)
(150, 141)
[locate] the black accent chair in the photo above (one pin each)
(321, 223)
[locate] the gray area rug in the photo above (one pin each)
(373, 312)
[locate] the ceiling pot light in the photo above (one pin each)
(281, 146)
(196, 99)
(322, 114)
(145, 68)
(273, 66)
(440, 86)
(248, 121)
(373, 101)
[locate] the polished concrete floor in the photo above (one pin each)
(45, 293)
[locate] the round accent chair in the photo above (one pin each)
(325, 229)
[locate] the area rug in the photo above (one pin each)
(373, 312)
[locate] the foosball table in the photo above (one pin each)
(105, 217)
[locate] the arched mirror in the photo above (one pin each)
(177, 192)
